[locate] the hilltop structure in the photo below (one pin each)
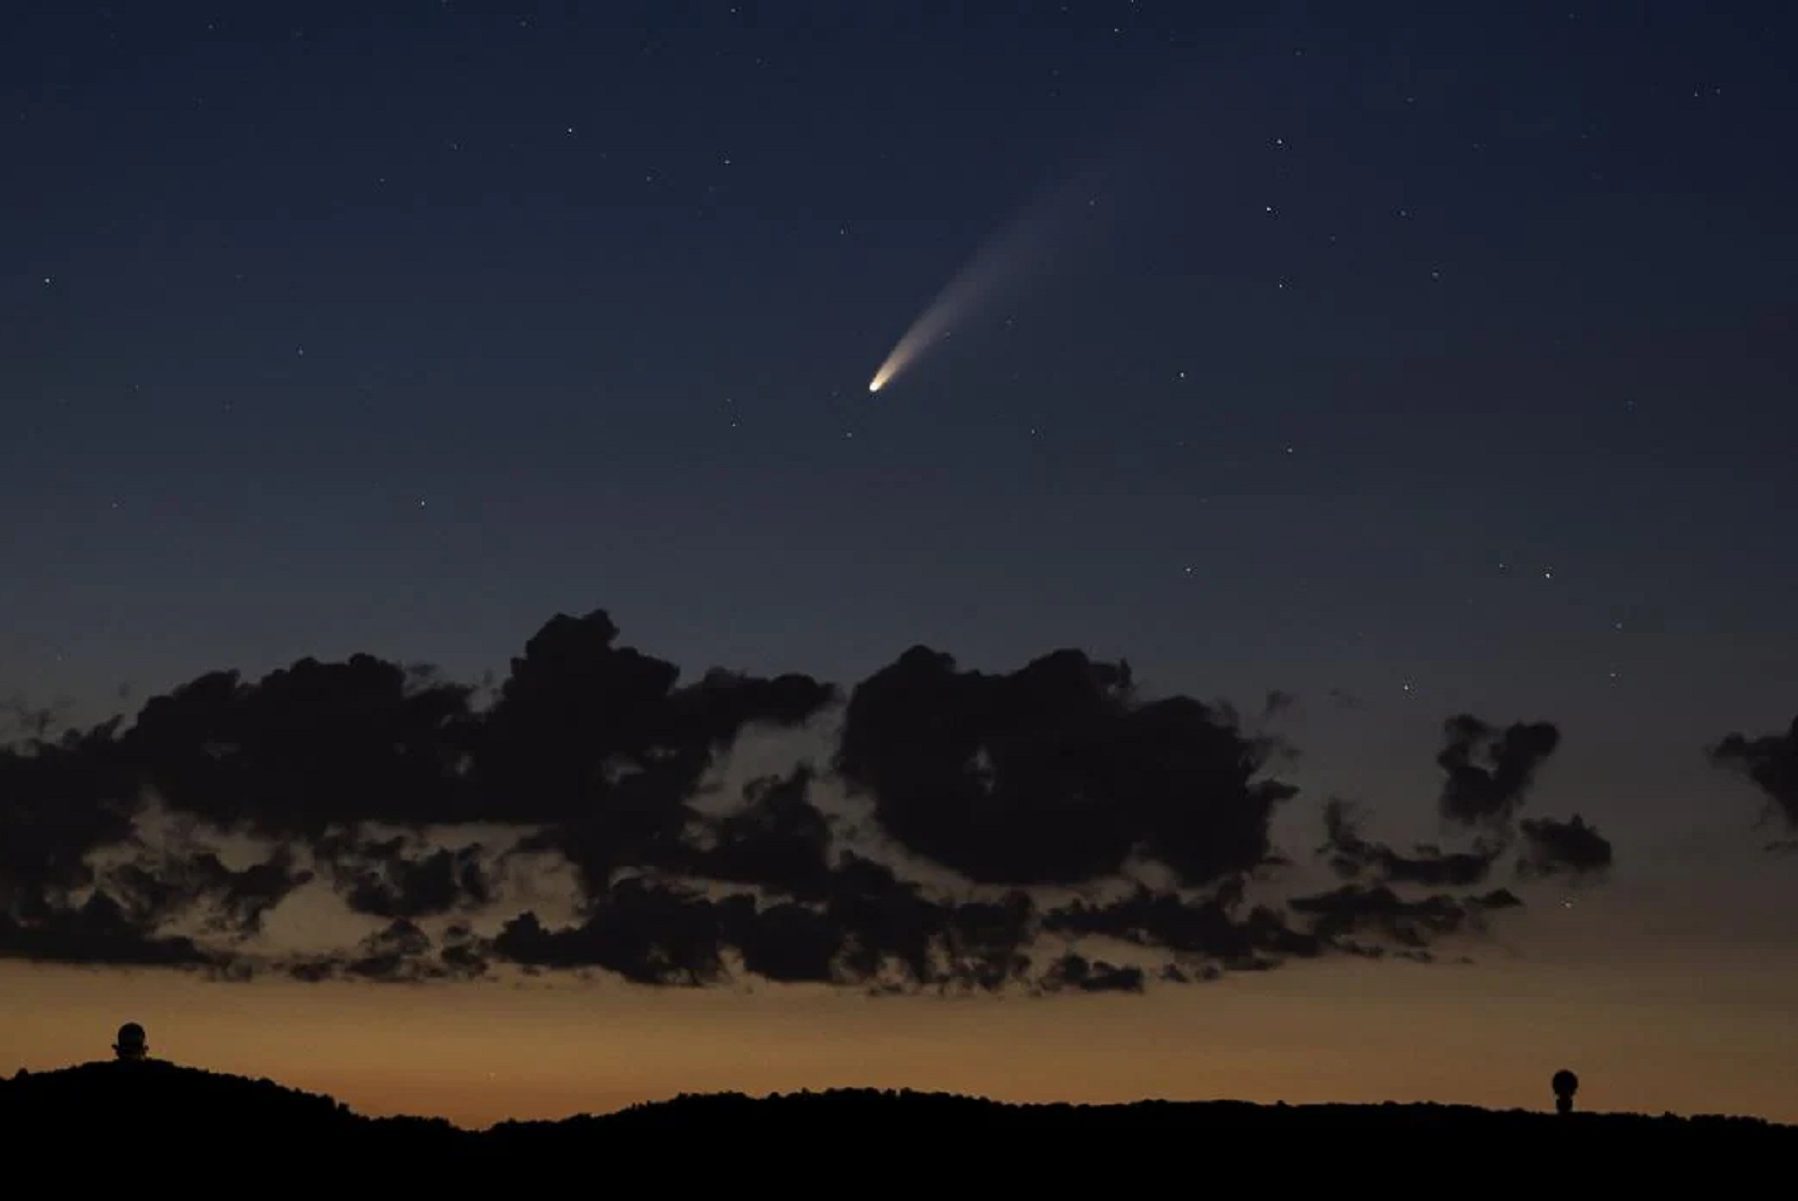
(131, 1046)
(1565, 1084)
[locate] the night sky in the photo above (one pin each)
(1347, 369)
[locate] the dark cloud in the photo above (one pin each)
(21, 719)
(596, 740)
(1080, 974)
(787, 941)
(646, 932)
(1355, 908)
(1490, 770)
(995, 785)
(461, 952)
(870, 929)
(387, 951)
(98, 931)
(1562, 848)
(381, 878)
(894, 933)
(1055, 773)
(60, 801)
(308, 747)
(776, 838)
(159, 888)
(1168, 921)
(888, 933)
(399, 952)
(1771, 761)
(890, 927)
(1399, 900)
(1353, 856)
(582, 724)
(984, 941)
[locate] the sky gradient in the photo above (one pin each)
(1357, 370)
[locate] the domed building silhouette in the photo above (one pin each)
(131, 1046)
(1565, 1084)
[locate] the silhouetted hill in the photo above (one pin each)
(152, 1103)
(154, 1106)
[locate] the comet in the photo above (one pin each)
(1080, 213)
(1002, 262)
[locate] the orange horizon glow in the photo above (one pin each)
(1656, 1033)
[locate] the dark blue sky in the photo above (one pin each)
(1444, 359)
(1413, 360)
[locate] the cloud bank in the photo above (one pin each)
(1046, 830)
